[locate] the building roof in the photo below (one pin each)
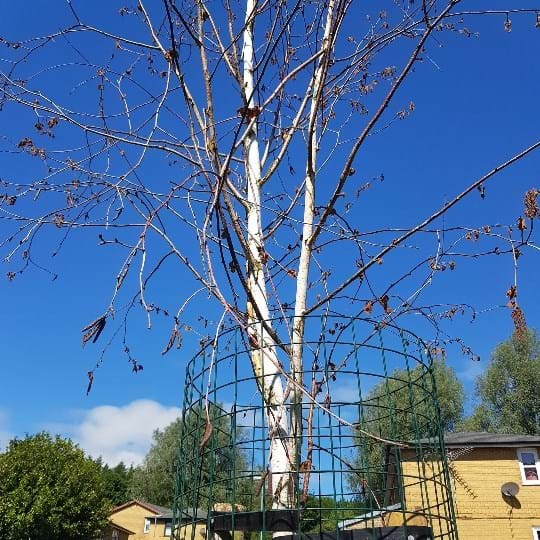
(368, 516)
(199, 514)
(186, 516)
(165, 516)
(161, 512)
(154, 508)
(119, 528)
(483, 439)
(159, 509)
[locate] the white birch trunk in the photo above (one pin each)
(302, 279)
(263, 351)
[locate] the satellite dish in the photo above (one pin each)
(510, 489)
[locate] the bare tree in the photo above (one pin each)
(260, 108)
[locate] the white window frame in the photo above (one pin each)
(114, 534)
(536, 533)
(524, 481)
(168, 525)
(146, 525)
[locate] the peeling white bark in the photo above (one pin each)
(302, 278)
(263, 354)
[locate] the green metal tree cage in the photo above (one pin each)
(371, 462)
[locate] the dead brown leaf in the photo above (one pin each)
(521, 225)
(206, 435)
(511, 292)
(93, 330)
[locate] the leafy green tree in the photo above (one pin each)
(508, 390)
(117, 482)
(400, 411)
(49, 490)
(154, 480)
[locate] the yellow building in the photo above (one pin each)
(139, 520)
(146, 521)
(495, 482)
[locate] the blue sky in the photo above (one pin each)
(476, 104)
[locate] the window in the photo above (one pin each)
(168, 528)
(529, 466)
(114, 535)
(146, 525)
(536, 533)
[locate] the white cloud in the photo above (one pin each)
(121, 433)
